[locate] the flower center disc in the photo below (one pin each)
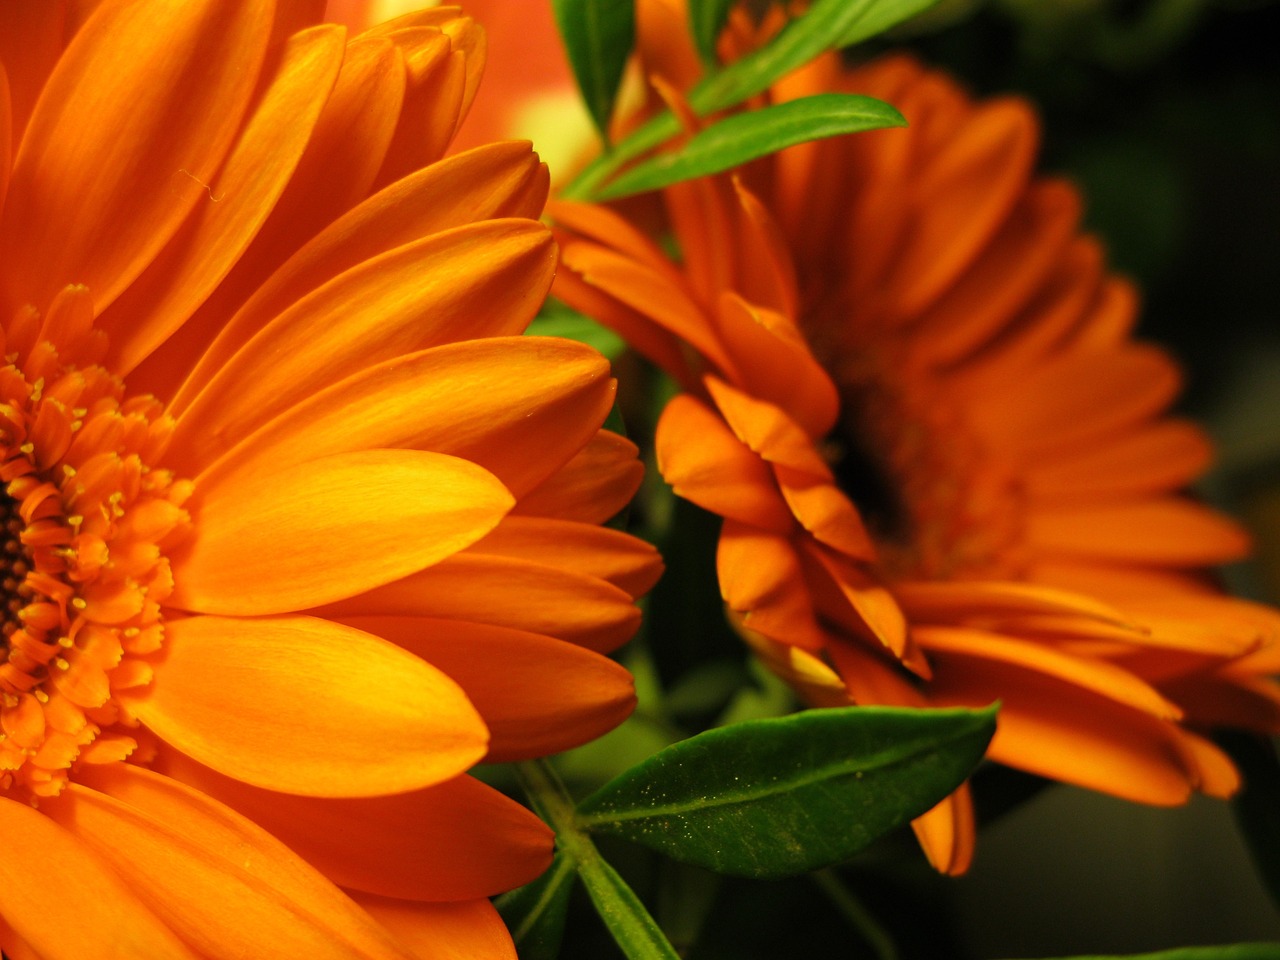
(87, 521)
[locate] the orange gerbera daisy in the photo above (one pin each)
(299, 528)
(945, 469)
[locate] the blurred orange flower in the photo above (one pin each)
(945, 468)
(299, 527)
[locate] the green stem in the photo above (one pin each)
(631, 925)
(852, 909)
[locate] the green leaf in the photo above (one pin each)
(881, 17)
(598, 36)
(1235, 951)
(632, 927)
(777, 797)
(559, 320)
(1256, 806)
(706, 20)
(745, 136)
(828, 24)
(630, 923)
(536, 912)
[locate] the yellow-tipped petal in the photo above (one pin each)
(308, 706)
(320, 531)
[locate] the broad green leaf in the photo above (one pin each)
(598, 36)
(777, 797)
(1235, 951)
(536, 912)
(1256, 806)
(745, 136)
(706, 20)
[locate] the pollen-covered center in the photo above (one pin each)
(15, 564)
(87, 522)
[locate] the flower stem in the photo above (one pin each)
(852, 909)
(630, 923)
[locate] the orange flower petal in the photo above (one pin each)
(1005, 276)
(546, 697)
(648, 292)
(642, 334)
(6, 132)
(1075, 399)
(342, 158)
(1097, 676)
(774, 363)
(1057, 729)
(593, 487)
(550, 400)
(824, 510)
(705, 463)
(507, 592)
(61, 899)
(501, 180)
(319, 531)
(490, 182)
(223, 883)
(1161, 457)
(464, 930)
(307, 706)
(948, 833)
(761, 578)
(436, 77)
(480, 280)
(123, 154)
(849, 596)
(767, 429)
(239, 199)
(1171, 531)
(31, 40)
(968, 186)
(456, 840)
(608, 227)
(611, 555)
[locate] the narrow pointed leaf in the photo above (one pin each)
(745, 136)
(632, 927)
(777, 797)
(536, 912)
(706, 20)
(629, 922)
(598, 36)
(881, 17)
(828, 24)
